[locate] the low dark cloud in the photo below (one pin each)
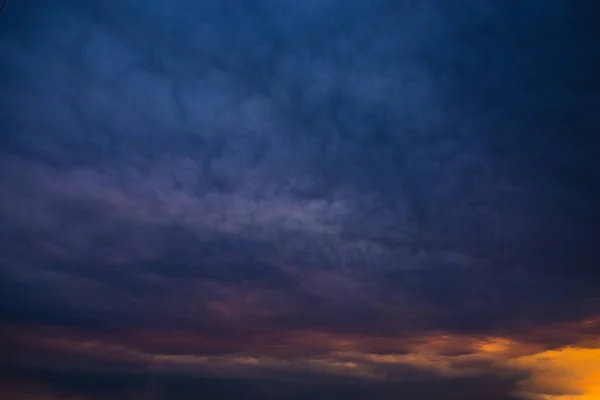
(142, 385)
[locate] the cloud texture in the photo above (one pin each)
(238, 198)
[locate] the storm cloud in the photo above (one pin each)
(299, 183)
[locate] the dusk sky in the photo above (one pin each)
(310, 199)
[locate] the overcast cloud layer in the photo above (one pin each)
(282, 200)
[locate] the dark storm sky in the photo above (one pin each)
(303, 186)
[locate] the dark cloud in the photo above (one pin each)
(231, 168)
(94, 386)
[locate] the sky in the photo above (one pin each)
(318, 199)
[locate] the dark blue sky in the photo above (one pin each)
(306, 186)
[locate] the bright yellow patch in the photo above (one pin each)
(566, 374)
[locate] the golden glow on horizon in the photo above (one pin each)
(570, 373)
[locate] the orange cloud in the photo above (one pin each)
(569, 373)
(566, 373)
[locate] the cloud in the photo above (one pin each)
(562, 374)
(317, 181)
(521, 369)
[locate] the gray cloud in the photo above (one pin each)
(333, 165)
